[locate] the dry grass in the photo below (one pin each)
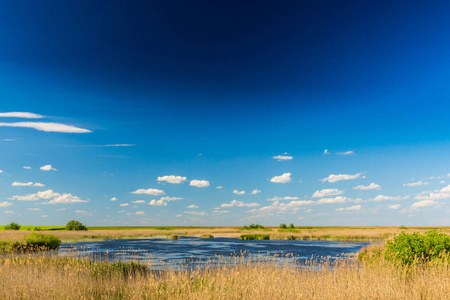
(69, 278)
(314, 233)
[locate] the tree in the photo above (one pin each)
(283, 226)
(75, 225)
(12, 226)
(291, 226)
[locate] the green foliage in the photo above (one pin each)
(174, 237)
(37, 229)
(206, 236)
(415, 247)
(32, 242)
(163, 228)
(283, 226)
(289, 230)
(254, 237)
(402, 227)
(291, 226)
(253, 226)
(12, 226)
(75, 225)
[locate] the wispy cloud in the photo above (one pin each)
(192, 206)
(23, 115)
(236, 192)
(282, 157)
(338, 199)
(56, 198)
(339, 177)
(172, 179)
(355, 207)
(27, 167)
(388, 198)
(418, 183)
(345, 153)
(5, 204)
(113, 199)
(48, 168)
(254, 192)
(82, 212)
(154, 192)
(196, 213)
(285, 178)
(394, 206)
(15, 183)
(163, 201)
(239, 204)
(423, 203)
(47, 127)
(327, 192)
(276, 198)
(372, 186)
(199, 183)
(325, 152)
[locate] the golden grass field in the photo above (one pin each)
(29, 276)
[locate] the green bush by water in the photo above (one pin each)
(32, 242)
(253, 226)
(254, 237)
(75, 225)
(206, 236)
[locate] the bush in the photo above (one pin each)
(291, 226)
(42, 241)
(253, 226)
(37, 229)
(12, 226)
(206, 236)
(75, 225)
(254, 237)
(283, 226)
(415, 247)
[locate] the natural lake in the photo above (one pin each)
(191, 252)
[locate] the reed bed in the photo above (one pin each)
(44, 277)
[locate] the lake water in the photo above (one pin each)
(191, 252)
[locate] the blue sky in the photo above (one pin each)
(225, 113)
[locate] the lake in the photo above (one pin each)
(192, 252)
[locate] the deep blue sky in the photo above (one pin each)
(213, 90)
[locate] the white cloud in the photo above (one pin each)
(196, 213)
(355, 207)
(443, 193)
(119, 145)
(372, 186)
(388, 198)
(219, 187)
(113, 199)
(124, 204)
(285, 178)
(394, 206)
(140, 213)
(276, 198)
(157, 203)
(282, 157)
(27, 167)
(44, 216)
(238, 192)
(138, 201)
(239, 204)
(254, 192)
(327, 192)
(192, 206)
(423, 203)
(5, 204)
(326, 152)
(339, 177)
(179, 215)
(418, 183)
(8, 212)
(66, 199)
(338, 199)
(34, 209)
(345, 153)
(1, 171)
(23, 115)
(199, 183)
(47, 127)
(47, 168)
(82, 212)
(15, 183)
(172, 179)
(48, 194)
(277, 206)
(170, 198)
(154, 192)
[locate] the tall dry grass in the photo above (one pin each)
(43, 277)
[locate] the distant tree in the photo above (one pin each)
(75, 225)
(12, 226)
(283, 226)
(291, 226)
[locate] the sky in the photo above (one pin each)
(216, 113)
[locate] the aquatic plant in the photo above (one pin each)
(206, 236)
(254, 237)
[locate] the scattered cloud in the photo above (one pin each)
(179, 215)
(372, 186)
(34, 209)
(113, 199)
(199, 183)
(140, 213)
(219, 187)
(394, 206)
(44, 216)
(276, 198)
(157, 202)
(5, 204)
(326, 152)
(47, 127)
(192, 206)
(345, 153)
(48, 168)
(119, 145)
(66, 199)
(441, 194)
(423, 203)
(238, 192)
(15, 183)
(355, 207)
(338, 199)
(239, 204)
(196, 213)
(171, 198)
(23, 115)
(9, 140)
(254, 192)
(82, 212)
(8, 212)
(327, 192)
(154, 192)
(418, 183)
(282, 157)
(27, 167)
(124, 204)
(1, 171)
(388, 198)
(285, 178)
(56, 198)
(138, 201)
(339, 177)
(172, 179)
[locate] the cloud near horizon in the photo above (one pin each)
(47, 127)
(327, 192)
(23, 115)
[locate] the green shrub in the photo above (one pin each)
(254, 237)
(39, 240)
(37, 229)
(291, 226)
(75, 225)
(12, 226)
(206, 236)
(415, 247)
(253, 226)
(174, 237)
(283, 226)
(402, 227)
